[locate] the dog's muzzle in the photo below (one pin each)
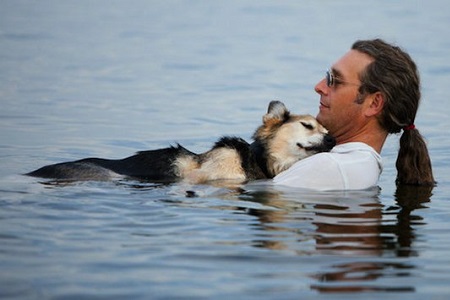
(327, 144)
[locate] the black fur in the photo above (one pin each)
(260, 155)
(152, 165)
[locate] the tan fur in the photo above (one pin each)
(217, 164)
(184, 165)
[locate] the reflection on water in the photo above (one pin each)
(346, 224)
(360, 276)
(408, 199)
(354, 225)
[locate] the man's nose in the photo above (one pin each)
(321, 87)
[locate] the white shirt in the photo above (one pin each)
(350, 166)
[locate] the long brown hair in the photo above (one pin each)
(395, 75)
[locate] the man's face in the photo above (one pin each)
(339, 111)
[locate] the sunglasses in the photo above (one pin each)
(332, 80)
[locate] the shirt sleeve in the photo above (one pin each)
(318, 172)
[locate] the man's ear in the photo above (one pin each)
(375, 104)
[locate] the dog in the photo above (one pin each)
(281, 140)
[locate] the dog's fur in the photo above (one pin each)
(281, 140)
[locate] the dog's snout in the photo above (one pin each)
(329, 141)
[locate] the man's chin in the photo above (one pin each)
(320, 118)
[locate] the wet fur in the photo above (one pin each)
(281, 140)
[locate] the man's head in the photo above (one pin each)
(394, 74)
(345, 111)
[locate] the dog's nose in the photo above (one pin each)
(329, 141)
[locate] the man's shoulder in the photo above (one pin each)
(348, 153)
(352, 147)
(355, 153)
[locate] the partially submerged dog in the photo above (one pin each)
(281, 140)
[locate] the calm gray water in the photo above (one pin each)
(109, 78)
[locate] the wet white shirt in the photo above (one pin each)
(350, 166)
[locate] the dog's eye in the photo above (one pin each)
(307, 125)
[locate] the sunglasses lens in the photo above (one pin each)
(329, 78)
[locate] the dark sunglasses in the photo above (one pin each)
(332, 80)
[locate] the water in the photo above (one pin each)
(108, 78)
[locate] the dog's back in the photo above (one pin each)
(152, 165)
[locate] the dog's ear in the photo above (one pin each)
(277, 112)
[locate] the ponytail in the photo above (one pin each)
(413, 161)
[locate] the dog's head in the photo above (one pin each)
(288, 138)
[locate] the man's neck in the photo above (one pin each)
(373, 138)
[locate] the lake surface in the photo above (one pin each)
(109, 78)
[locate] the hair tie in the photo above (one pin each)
(409, 127)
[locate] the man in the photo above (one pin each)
(372, 91)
